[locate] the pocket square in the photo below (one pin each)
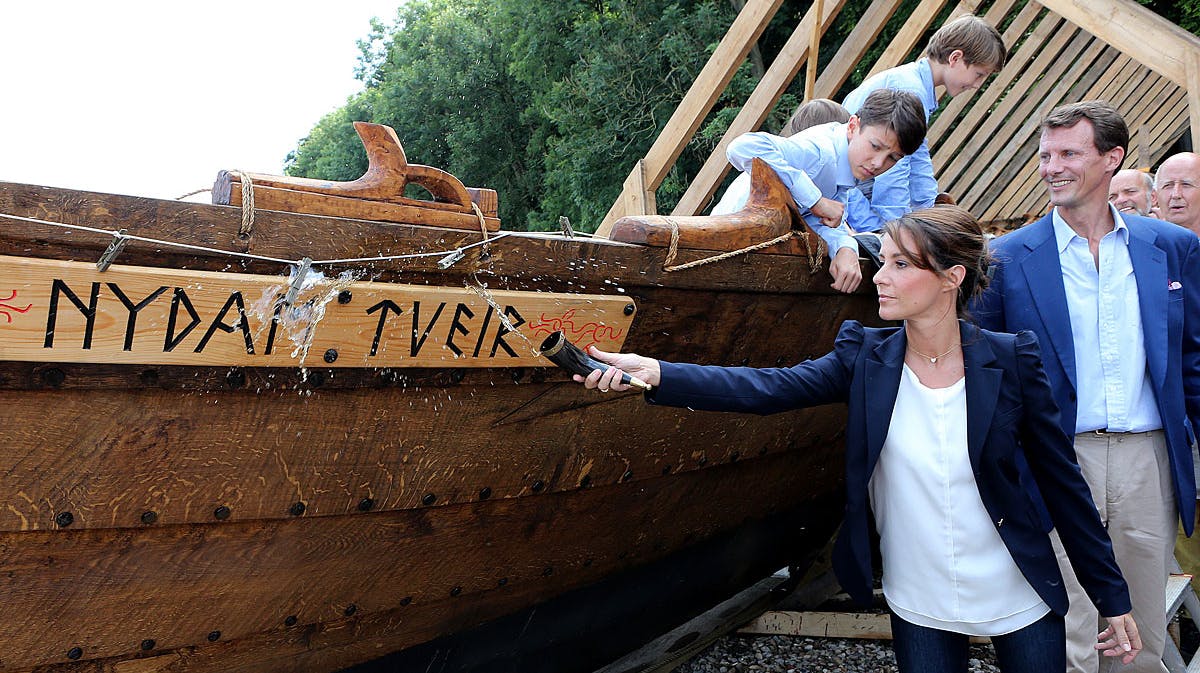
(1174, 285)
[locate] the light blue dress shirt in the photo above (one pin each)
(812, 164)
(910, 183)
(1112, 380)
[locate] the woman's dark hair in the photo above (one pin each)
(944, 236)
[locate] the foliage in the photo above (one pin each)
(552, 103)
(548, 103)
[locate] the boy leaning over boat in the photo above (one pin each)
(821, 164)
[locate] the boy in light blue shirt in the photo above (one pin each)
(959, 56)
(821, 164)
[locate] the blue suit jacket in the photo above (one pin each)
(1015, 443)
(1027, 293)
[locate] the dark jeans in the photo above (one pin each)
(1039, 647)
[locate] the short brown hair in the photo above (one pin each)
(945, 236)
(1108, 126)
(899, 111)
(815, 111)
(979, 42)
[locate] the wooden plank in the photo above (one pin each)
(1140, 111)
(1167, 129)
(772, 85)
(821, 625)
(1193, 88)
(814, 48)
(410, 575)
(865, 626)
(637, 194)
(860, 39)
(698, 101)
(70, 312)
(956, 177)
(1147, 37)
(413, 211)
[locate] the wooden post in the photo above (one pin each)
(679, 129)
(814, 51)
(1193, 94)
(639, 200)
(1145, 36)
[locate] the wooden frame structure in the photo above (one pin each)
(984, 144)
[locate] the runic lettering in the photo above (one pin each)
(383, 307)
(133, 310)
(416, 344)
(88, 311)
(457, 326)
(179, 298)
(499, 342)
(235, 298)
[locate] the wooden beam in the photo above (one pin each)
(1193, 88)
(814, 50)
(776, 80)
(1134, 30)
(826, 625)
(869, 25)
(912, 30)
(713, 78)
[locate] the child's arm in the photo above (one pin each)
(794, 161)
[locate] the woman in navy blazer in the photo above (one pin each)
(953, 444)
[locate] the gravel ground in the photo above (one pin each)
(794, 654)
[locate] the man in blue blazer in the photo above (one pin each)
(1115, 302)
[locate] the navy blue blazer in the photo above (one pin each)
(1014, 440)
(1027, 293)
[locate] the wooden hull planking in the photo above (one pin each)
(226, 518)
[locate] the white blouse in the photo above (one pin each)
(944, 564)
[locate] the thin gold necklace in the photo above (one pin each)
(933, 358)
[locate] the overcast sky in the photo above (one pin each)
(153, 98)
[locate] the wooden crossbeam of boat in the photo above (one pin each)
(377, 196)
(770, 212)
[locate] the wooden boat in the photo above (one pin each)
(312, 433)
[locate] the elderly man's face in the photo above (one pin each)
(1129, 193)
(1179, 191)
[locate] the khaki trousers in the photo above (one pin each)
(1130, 479)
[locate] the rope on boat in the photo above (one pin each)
(247, 205)
(814, 259)
(246, 255)
(193, 193)
(482, 228)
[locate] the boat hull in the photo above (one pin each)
(227, 518)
